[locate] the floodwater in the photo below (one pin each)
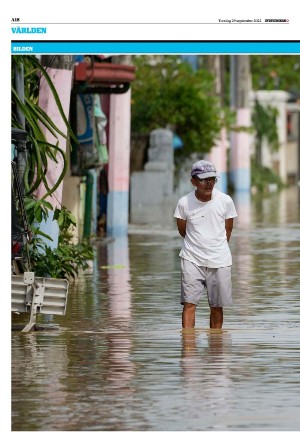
(119, 361)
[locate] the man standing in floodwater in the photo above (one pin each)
(205, 221)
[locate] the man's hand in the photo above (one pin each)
(181, 225)
(228, 227)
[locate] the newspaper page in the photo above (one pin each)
(105, 31)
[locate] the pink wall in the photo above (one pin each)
(240, 152)
(218, 154)
(119, 142)
(62, 80)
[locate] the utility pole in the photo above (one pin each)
(240, 165)
(218, 154)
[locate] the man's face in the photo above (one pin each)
(204, 186)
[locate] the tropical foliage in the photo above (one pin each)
(36, 120)
(264, 122)
(262, 176)
(168, 92)
(68, 258)
(275, 72)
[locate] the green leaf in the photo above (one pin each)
(46, 204)
(60, 219)
(29, 203)
(39, 232)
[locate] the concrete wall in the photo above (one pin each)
(152, 189)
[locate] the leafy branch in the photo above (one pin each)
(36, 121)
(264, 122)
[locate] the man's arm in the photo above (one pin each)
(181, 225)
(228, 227)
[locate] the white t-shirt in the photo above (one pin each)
(205, 242)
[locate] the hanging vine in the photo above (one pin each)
(264, 121)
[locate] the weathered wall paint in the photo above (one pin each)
(119, 164)
(240, 161)
(62, 80)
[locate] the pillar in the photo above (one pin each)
(240, 152)
(240, 156)
(218, 153)
(119, 164)
(62, 80)
(218, 156)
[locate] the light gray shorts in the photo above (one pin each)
(195, 279)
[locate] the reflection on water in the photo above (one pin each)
(205, 368)
(119, 359)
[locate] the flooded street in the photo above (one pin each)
(118, 360)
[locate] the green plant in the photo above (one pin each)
(168, 92)
(262, 176)
(36, 120)
(68, 258)
(264, 122)
(275, 72)
(63, 262)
